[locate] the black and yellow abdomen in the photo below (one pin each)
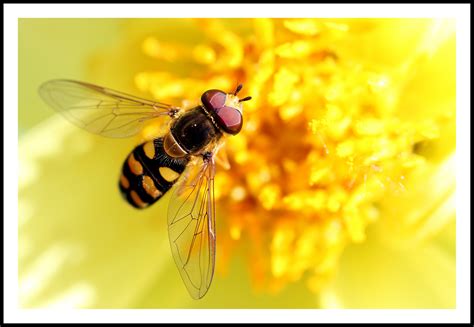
(148, 173)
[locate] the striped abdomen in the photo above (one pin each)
(148, 172)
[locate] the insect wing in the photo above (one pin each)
(100, 110)
(191, 227)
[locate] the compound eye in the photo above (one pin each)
(230, 119)
(213, 99)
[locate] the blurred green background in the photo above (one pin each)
(56, 48)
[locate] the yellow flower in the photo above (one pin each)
(341, 180)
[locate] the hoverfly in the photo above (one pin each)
(184, 158)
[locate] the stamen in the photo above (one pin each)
(245, 99)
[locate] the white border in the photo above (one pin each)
(237, 10)
(463, 162)
(13, 11)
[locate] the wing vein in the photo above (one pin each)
(82, 103)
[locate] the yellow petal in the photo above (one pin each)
(376, 276)
(424, 207)
(78, 239)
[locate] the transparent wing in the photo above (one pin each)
(100, 110)
(191, 227)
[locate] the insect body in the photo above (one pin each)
(148, 173)
(183, 157)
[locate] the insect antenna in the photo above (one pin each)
(245, 99)
(237, 90)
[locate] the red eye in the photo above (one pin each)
(213, 99)
(230, 120)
